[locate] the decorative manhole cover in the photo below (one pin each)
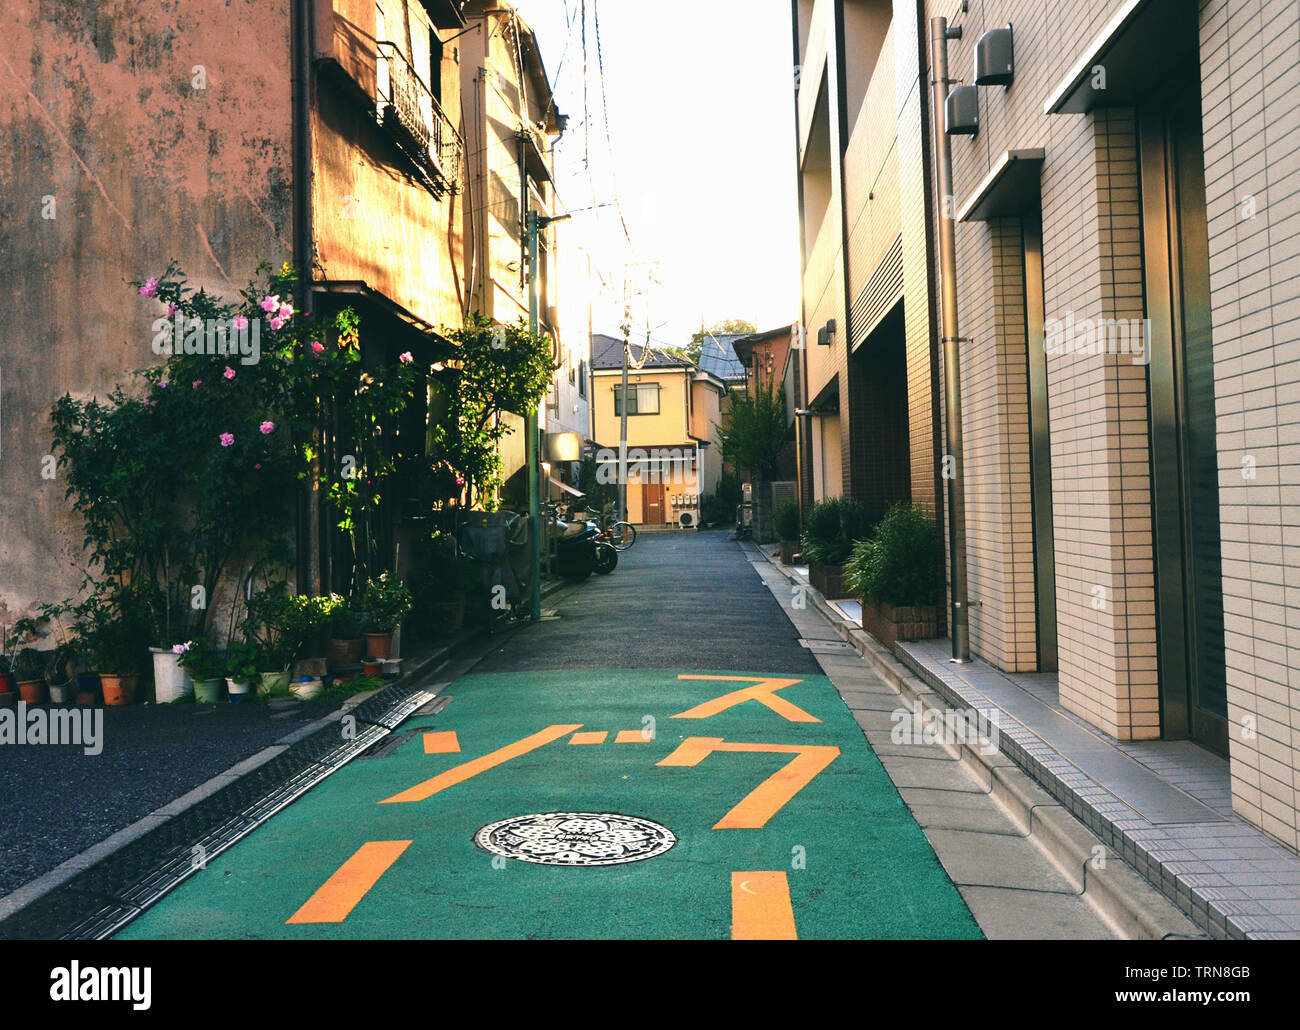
(575, 838)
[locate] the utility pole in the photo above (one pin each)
(959, 623)
(532, 441)
(622, 422)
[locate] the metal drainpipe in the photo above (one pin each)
(309, 550)
(960, 618)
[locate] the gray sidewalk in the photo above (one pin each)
(1163, 806)
(1025, 867)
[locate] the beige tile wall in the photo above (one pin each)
(1250, 53)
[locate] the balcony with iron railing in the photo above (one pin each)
(409, 110)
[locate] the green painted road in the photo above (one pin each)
(814, 840)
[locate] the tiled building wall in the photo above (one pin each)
(999, 508)
(1098, 427)
(914, 164)
(1250, 93)
(871, 174)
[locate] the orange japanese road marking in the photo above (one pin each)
(633, 737)
(470, 769)
(339, 895)
(589, 737)
(760, 907)
(763, 691)
(441, 742)
(765, 800)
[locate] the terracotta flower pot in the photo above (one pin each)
(118, 690)
(379, 645)
(343, 652)
(6, 683)
(32, 691)
(372, 668)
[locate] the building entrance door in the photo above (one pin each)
(1180, 380)
(652, 503)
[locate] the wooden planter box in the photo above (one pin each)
(789, 548)
(890, 625)
(829, 579)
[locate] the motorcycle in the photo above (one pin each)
(578, 550)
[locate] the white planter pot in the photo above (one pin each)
(238, 692)
(170, 680)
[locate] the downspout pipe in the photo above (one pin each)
(959, 622)
(309, 538)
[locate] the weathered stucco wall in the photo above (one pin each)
(131, 133)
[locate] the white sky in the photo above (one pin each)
(701, 120)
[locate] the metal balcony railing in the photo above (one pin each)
(407, 107)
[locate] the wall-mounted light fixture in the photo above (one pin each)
(961, 112)
(994, 63)
(825, 333)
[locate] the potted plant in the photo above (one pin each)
(204, 665)
(785, 520)
(829, 532)
(60, 674)
(29, 671)
(314, 614)
(116, 635)
(23, 629)
(274, 623)
(899, 574)
(386, 601)
(343, 626)
(242, 662)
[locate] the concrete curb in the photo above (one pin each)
(1118, 893)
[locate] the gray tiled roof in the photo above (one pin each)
(607, 352)
(718, 357)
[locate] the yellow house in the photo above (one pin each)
(673, 413)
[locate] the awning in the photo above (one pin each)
(1010, 188)
(1141, 45)
(565, 487)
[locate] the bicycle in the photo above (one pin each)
(618, 534)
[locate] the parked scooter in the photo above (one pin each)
(578, 551)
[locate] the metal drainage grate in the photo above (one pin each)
(102, 899)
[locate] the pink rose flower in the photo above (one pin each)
(196, 384)
(317, 346)
(267, 427)
(286, 311)
(258, 465)
(162, 384)
(227, 439)
(406, 358)
(275, 322)
(150, 288)
(229, 373)
(241, 322)
(270, 303)
(171, 310)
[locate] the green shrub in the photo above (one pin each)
(786, 520)
(830, 528)
(903, 565)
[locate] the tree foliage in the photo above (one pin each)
(753, 433)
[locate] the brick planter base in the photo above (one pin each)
(789, 548)
(890, 625)
(829, 579)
